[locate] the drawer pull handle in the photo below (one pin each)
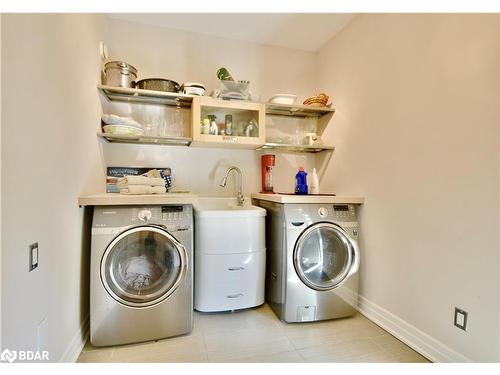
(235, 295)
(236, 268)
(297, 223)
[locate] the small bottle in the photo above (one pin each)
(205, 126)
(214, 129)
(268, 187)
(314, 182)
(301, 181)
(251, 129)
(229, 125)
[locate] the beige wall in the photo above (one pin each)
(416, 132)
(50, 64)
(0, 181)
(187, 57)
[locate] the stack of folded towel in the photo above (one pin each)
(141, 185)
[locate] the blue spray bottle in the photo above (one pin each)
(301, 181)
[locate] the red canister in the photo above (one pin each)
(267, 164)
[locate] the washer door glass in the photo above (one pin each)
(323, 256)
(142, 266)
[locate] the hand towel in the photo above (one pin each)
(142, 189)
(141, 180)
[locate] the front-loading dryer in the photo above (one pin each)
(141, 273)
(313, 260)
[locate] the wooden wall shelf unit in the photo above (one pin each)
(202, 106)
(242, 113)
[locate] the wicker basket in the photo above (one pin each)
(319, 100)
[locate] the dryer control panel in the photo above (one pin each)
(344, 212)
(338, 212)
(308, 214)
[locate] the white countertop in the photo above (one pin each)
(117, 199)
(292, 198)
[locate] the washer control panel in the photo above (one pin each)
(171, 216)
(172, 213)
(344, 212)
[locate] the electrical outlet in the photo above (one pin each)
(33, 256)
(460, 319)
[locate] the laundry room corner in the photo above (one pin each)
(222, 187)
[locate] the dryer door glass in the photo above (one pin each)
(323, 256)
(142, 266)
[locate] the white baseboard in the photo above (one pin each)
(77, 343)
(419, 341)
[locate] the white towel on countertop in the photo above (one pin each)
(142, 189)
(141, 180)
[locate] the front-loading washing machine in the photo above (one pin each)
(141, 273)
(313, 260)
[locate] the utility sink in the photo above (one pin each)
(230, 254)
(226, 207)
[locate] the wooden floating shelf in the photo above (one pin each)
(144, 139)
(297, 110)
(123, 94)
(295, 148)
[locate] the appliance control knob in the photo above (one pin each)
(144, 215)
(323, 212)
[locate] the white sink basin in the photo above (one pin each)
(230, 254)
(226, 207)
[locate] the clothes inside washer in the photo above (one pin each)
(139, 270)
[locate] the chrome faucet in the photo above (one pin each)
(224, 181)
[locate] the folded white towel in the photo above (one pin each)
(141, 180)
(142, 189)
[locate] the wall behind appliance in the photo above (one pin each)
(0, 180)
(50, 65)
(189, 57)
(416, 132)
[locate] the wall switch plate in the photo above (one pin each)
(460, 318)
(33, 256)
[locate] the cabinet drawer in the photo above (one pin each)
(229, 282)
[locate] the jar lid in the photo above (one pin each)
(120, 65)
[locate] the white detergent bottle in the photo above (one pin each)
(314, 184)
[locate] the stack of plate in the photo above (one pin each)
(118, 125)
(283, 99)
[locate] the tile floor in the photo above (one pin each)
(256, 335)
